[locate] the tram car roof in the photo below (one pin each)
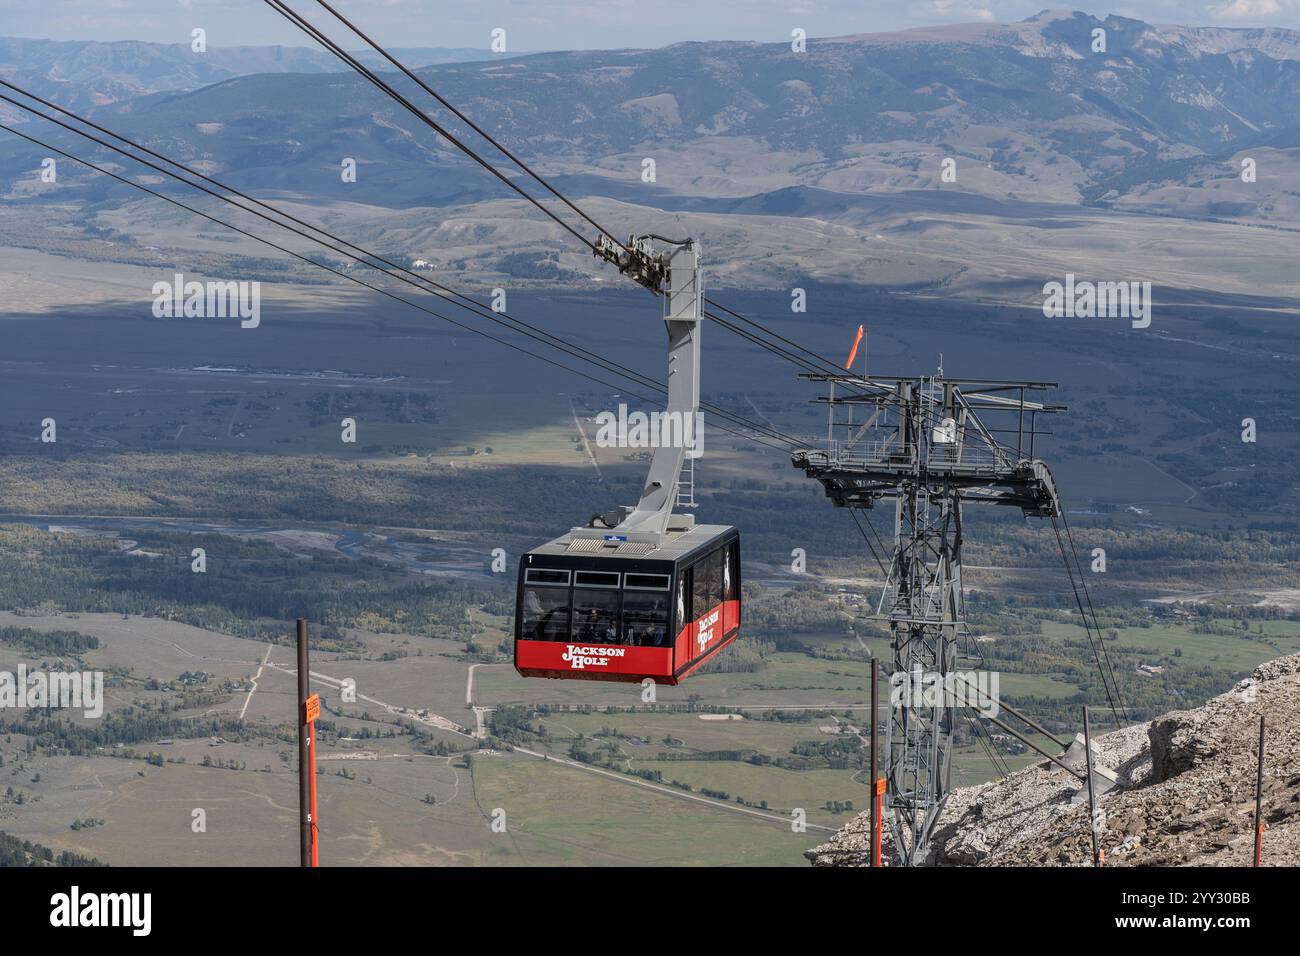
(673, 546)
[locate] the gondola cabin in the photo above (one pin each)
(614, 609)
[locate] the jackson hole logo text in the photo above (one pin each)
(705, 633)
(580, 658)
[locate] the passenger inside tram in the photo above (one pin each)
(630, 617)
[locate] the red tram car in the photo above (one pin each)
(614, 609)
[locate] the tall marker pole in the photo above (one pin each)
(1259, 795)
(875, 796)
(1092, 792)
(308, 710)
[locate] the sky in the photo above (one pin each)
(577, 24)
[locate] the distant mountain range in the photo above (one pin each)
(854, 132)
(85, 73)
(1025, 110)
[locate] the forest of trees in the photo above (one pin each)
(253, 595)
(519, 506)
(16, 852)
(56, 736)
(54, 643)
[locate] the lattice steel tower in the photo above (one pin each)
(921, 442)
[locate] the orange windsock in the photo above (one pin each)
(854, 353)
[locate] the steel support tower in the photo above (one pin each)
(922, 442)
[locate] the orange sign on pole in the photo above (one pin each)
(311, 710)
(311, 749)
(880, 814)
(308, 711)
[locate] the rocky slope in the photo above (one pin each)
(1186, 796)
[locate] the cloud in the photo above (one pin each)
(1254, 9)
(578, 24)
(953, 10)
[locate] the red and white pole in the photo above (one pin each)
(308, 710)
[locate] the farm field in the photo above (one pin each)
(395, 784)
(1180, 646)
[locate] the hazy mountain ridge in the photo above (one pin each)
(1042, 126)
(82, 73)
(848, 140)
(1051, 33)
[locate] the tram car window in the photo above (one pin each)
(645, 609)
(596, 606)
(605, 611)
(544, 611)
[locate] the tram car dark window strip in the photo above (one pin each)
(597, 579)
(544, 576)
(647, 582)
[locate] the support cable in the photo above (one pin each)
(343, 275)
(1096, 653)
(357, 253)
(315, 33)
(1088, 596)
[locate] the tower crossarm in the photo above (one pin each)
(1027, 484)
(888, 435)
